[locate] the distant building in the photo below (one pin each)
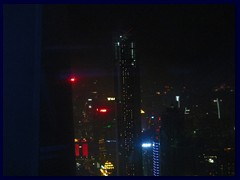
(128, 108)
(177, 153)
(95, 130)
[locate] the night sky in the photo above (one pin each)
(191, 45)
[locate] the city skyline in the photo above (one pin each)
(177, 44)
(119, 89)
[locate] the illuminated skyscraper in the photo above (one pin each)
(128, 108)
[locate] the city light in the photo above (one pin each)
(218, 107)
(156, 160)
(108, 165)
(111, 98)
(73, 79)
(186, 111)
(102, 110)
(107, 168)
(177, 98)
(145, 145)
(210, 160)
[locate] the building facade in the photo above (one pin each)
(128, 108)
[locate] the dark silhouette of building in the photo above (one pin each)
(37, 101)
(128, 107)
(177, 152)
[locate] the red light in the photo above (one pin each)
(85, 149)
(72, 79)
(76, 150)
(103, 110)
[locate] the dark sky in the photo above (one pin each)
(178, 44)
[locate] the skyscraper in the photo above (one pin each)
(128, 108)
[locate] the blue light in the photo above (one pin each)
(152, 117)
(145, 145)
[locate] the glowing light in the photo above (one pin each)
(210, 160)
(102, 110)
(177, 98)
(107, 168)
(76, 150)
(218, 107)
(89, 99)
(227, 149)
(152, 117)
(108, 165)
(186, 111)
(156, 160)
(85, 150)
(142, 111)
(110, 140)
(146, 145)
(73, 79)
(111, 98)
(89, 106)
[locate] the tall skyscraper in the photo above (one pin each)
(128, 108)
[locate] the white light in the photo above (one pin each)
(89, 106)
(210, 160)
(177, 98)
(111, 98)
(186, 111)
(146, 144)
(118, 43)
(89, 99)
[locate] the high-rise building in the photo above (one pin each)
(37, 102)
(128, 108)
